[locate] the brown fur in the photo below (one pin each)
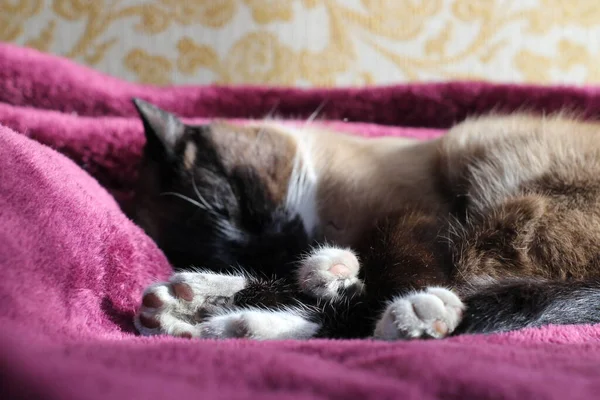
(386, 175)
(264, 148)
(546, 226)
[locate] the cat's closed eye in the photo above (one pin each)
(332, 225)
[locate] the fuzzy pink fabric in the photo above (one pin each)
(73, 266)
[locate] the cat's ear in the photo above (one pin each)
(160, 127)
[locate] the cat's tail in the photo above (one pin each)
(517, 304)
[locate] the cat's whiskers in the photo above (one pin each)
(186, 198)
(271, 112)
(261, 131)
(256, 144)
(311, 118)
(207, 206)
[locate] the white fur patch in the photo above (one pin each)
(434, 312)
(259, 325)
(211, 292)
(301, 196)
(319, 276)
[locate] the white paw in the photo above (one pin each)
(176, 307)
(432, 313)
(259, 325)
(327, 271)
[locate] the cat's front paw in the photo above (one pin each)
(432, 313)
(329, 271)
(178, 306)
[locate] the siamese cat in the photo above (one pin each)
(294, 232)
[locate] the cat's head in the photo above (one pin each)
(218, 195)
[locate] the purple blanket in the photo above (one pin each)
(73, 266)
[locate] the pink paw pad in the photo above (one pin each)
(440, 327)
(183, 291)
(149, 322)
(151, 300)
(340, 270)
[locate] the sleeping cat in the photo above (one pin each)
(492, 227)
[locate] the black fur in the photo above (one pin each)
(501, 307)
(229, 221)
(349, 316)
(520, 304)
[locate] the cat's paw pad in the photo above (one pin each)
(177, 306)
(433, 313)
(328, 271)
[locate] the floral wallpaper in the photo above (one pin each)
(316, 42)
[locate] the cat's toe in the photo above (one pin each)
(433, 313)
(178, 306)
(328, 272)
(163, 312)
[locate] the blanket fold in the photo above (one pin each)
(32, 79)
(73, 266)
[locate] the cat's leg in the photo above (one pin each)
(259, 324)
(176, 306)
(407, 264)
(207, 305)
(491, 251)
(530, 261)
(432, 313)
(496, 307)
(329, 273)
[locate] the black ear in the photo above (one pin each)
(159, 125)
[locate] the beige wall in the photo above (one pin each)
(316, 42)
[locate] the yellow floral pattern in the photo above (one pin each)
(316, 42)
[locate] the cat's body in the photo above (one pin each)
(502, 210)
